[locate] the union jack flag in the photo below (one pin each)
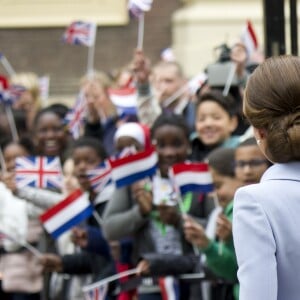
(75, 117)
(9, 93)
(97, 293)
(100, 177)
(138, 7)
(80, 33)
(38, 171)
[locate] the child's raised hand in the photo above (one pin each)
(141, 66)
(51, 262)
(143, 268)
(224, 228)
(195, 233)
(79, 237)
(142, 193)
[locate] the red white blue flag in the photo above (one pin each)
(38, 171)
(196, 82)
(125, 100)
(127, 151)
(169, 288)
(9, 93)
(128, 170)
(191, 177)
(80, 33)
(67, 213)
(96, 293)
(75, 117)
(100, 177)
(138, 7)
(249, 38)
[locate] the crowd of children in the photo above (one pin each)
(144, 225)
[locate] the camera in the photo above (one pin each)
(218, 72)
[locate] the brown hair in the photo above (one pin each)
(272, 103)
(226, 102)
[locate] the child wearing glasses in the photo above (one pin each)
(250, 163)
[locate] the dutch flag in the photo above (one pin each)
(192, 177)
(169, 288)
(67, 213)
(130, 169)
(125, 99)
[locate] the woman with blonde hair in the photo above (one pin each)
(266, 215)
(29, 100)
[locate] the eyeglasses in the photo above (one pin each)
(253, 163)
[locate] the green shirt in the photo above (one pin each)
(220, 256)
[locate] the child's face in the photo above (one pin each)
(70, 181)
(50, 136)
(85, 158)
(213, 124)
(225, 187)
(171, 145)
(10, 153)
(250, 164)
(127, 141)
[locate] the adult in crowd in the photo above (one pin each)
(161, 89)
(266, 215)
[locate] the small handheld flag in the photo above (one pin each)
(97, 293)
(192, 177)
(67, 213)
(125, 100)
(38, 171)
(128, 170)
(169, 287)
(197, 82)
(75, 116)
(192, 85)
(249, 38)
(100, 177)
(99, 288)
(137, 9)
(80, 33)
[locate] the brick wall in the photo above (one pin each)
(41, 51)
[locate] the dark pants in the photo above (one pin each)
(21, 296)
(153, 296)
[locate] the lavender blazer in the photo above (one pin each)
(266, 231)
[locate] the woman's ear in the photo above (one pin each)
(259, 134)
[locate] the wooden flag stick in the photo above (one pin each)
(229, 79)
(141, 32)
(5, 63)
(91, 55)
(12, 124)
(2, 161)
(26, 245)
(97, 218)
(109, 279)
(90, 62)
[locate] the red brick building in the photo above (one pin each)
(40, 49)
